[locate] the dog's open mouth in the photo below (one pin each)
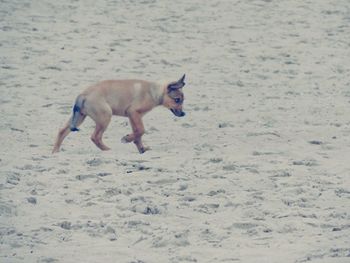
(178, 113)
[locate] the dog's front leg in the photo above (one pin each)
(138, 130)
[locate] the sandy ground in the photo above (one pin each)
(258, 170)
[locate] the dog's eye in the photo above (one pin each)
(177, 100)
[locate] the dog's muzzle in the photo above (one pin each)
(178, 113)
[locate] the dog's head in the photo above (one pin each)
(174, 97)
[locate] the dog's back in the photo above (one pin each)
(123, 94)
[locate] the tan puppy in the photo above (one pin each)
(129, 98)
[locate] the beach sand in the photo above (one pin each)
(257, 171)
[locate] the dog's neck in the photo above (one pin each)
(158, 93)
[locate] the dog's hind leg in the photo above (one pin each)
(102, 118)
(63, 132)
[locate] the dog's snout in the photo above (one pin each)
(178, 113)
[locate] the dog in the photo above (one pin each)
(130, 98)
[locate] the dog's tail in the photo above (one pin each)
(79, 103)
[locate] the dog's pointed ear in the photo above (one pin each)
(177, 84)
(182, 80)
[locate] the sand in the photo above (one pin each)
(257, 171)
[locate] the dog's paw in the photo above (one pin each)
(126, 139)
(54, 151)
(144, 149)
